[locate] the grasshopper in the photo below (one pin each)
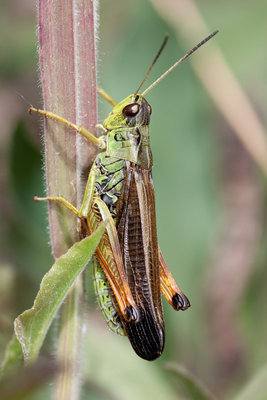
(129, 270)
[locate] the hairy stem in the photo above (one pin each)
(67, 66)
(69, 345)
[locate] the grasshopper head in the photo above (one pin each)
(134, 110)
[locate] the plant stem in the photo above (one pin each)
(68, 75)
(69, 345)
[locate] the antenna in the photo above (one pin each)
(153, 62)
(178, 62)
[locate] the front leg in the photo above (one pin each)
(79, 129)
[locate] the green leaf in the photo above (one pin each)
(190, 385)
(13, 356)
(32, 325)
(256, 388)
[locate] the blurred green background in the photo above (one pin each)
(210, 199)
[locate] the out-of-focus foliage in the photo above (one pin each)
(210, 198)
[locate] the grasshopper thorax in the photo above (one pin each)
(133, 111)
(127, 127)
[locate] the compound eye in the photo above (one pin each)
(131, 110)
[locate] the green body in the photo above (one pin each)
(105, 299)
(108, 184)
(124, 143)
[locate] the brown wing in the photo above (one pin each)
(136, 226)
